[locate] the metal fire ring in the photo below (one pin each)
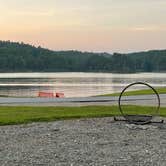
(139, 119)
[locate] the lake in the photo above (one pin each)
(73, 84)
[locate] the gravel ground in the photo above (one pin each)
(94, 142)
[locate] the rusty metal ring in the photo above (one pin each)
(147, 120)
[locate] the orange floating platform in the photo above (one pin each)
(51, 94)
(45, 94)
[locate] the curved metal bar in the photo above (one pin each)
(147, 119)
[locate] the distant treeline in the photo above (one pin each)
(20, 57)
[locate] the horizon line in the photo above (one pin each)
(83, 51)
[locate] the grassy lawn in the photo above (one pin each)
(139, 92)
(20, 115)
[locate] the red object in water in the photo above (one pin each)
(45, 94)
(60, 95)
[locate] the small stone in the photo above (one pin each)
(75, 141)
(146, 151)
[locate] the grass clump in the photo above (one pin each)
(20, 115)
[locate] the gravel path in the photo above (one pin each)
(94, 142)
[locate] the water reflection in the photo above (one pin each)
(73, 84)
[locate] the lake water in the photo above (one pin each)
(73, 84)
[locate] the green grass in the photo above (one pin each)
(139, 92)
(21, 115)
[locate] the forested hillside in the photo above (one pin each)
(20, 57)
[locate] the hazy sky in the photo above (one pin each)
(91, 25)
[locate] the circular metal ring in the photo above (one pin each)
(147, 119)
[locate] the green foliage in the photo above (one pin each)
(20, 57)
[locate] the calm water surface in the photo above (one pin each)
(73, 84)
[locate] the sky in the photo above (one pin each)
(85, 25)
